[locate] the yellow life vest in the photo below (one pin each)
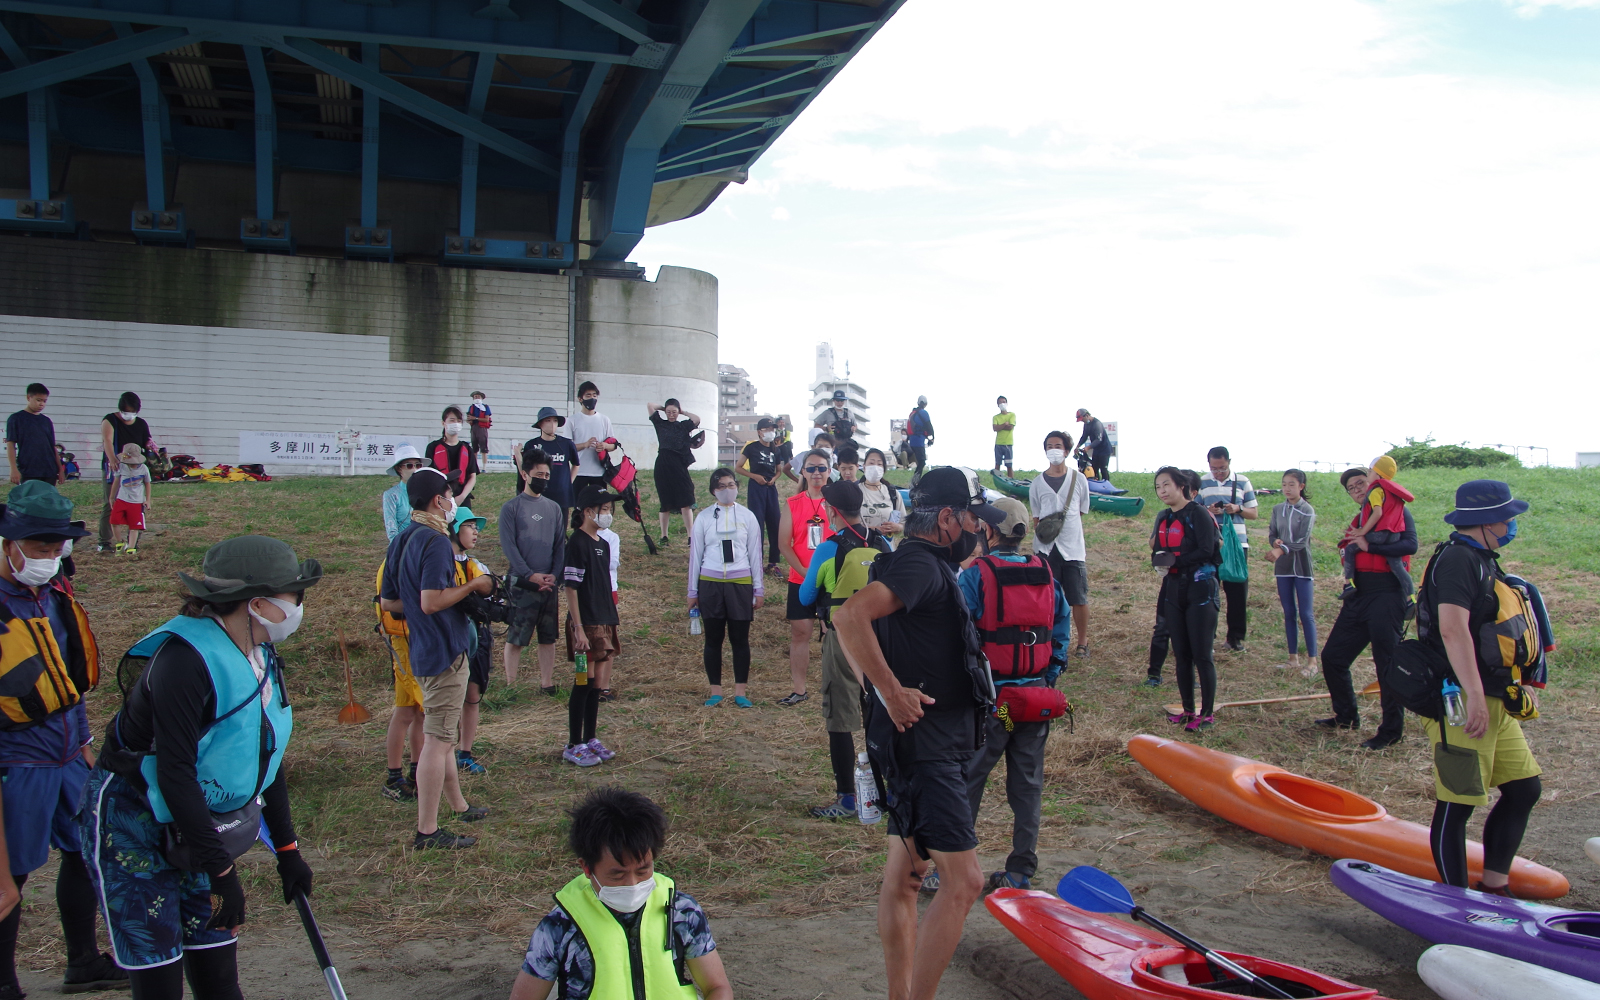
(666, 974)
(38, 677)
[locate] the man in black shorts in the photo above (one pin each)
(927, 695)
(534, 540)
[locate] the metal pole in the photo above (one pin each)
(266, 129)
(369, 143)
(572, 336)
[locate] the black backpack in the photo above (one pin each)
(1421, 665)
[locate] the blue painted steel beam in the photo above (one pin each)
(616, 17)
(577, 118)
(482, 71)
(38, 123)
(375, 84)
(544, 30)
(153, 119)
(266, 130)
(371, 107)
(96, 58)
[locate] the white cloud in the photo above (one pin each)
(780, 214)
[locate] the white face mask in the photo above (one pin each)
(874, 473)
(1055, 456)
(1003, 407)
(626, 898)
(128, 418)
(452, 428)
(34, 572)
(279, 631)
(767, 436)
(603, 520)
(726, 497)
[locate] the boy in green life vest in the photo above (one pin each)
(619, 925)
(838, 569)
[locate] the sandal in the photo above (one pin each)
(1180, 718)
(714, 701)
(793, 698)
(1082, 652)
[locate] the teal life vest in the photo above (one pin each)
(239, 753)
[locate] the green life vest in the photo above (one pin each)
(852, 561)
(615, 948)
(239, 753)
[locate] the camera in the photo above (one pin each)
(487, 610)
(1163, 559)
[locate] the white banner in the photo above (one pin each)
(317, 448)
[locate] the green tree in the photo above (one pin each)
(1416, 454)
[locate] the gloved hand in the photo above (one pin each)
(296, 874)
(229, 913)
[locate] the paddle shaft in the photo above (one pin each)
(329, 973)
(349, 680)
(1369, 690)
(1139, 913)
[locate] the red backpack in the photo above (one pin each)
(1019, 613)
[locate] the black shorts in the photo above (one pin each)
(533, 610)
(480, 438)
(797, 612)
(479, 664)
(1073, 575)
(931, 806)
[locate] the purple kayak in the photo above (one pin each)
(1549, 936)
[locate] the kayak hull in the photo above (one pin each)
(1320, 817)
(1017, 488)
(1457, 973)
(1567, 941)
(1591, 847)
(1121, 506)
(1109, 959)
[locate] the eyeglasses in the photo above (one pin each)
(816, 468)
(413, 466)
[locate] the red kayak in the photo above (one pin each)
(1109, 959)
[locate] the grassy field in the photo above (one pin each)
(737, 782)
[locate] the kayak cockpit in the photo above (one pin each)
(1178, 972)
(1326, 802)
(1577, 928)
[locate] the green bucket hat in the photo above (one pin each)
(37, 510)
(465, 514)
(251, 566)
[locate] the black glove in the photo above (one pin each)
(229, 913)
(296, 874)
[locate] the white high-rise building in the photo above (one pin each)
(828, 382)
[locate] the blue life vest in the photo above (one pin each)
(229, 757)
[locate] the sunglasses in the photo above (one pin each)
(413, 466)
(816, 468)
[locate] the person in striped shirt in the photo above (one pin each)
(1233, 500)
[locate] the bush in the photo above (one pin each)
(1416, 454)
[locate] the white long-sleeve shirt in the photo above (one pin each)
(1044, 501)
(712, 527)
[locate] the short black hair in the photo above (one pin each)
(718, 475)
(672, 401)
(128, 402)
(449, 410)
(878, 452)
(1349, 474)
(1218, 452)
(534, 457)
(1184, 479)
(588, 387)
(817, 452)
(824, 436)
(1063, 435)
(614, 819)
(37, 389)
(849, 456)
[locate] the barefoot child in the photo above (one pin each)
(591, 623)
(619, 907)
(132, 493)
(464, 531)
(1384, 522)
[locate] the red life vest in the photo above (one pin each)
(1393, 519)
(1019, 612)
(441, 461)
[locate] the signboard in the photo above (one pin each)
(317, 448)
(1111, 432)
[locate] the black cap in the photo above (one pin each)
(592, 496)
(838, 394)
(952, 486)
(765, 423)
(844, 497)
(425, 484)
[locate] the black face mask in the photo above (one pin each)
(963, 546)
(590, 403)
(538, 485)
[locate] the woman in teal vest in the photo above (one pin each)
(163, 829)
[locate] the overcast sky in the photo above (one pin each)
(1302, 229)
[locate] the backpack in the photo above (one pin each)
(852, 566)
(1018, 616)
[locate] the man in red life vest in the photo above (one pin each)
(1026, 628)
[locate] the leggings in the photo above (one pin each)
(583, 711)
(763, 502)
(842, 754)
(1295, 592)
(1502, 831)
(76, 903)
(1191, 613)
(739, 634)
(213, 975)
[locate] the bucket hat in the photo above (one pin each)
(545, 413)
(1484, 501)
(37, 510)
(247, 566)
(463, 515)
(401, 454)
(131, 454)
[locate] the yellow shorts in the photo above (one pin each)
(1503, 754)
(407, 693)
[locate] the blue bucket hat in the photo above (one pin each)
(1484, 501)
(36, 509)
(465, 514)
(546, 412)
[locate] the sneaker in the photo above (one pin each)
(130, 551)
(1199, 722)
(399, 790)
(581, 755)
(743, 702)
(468, 764)
(552, 691)
(1334, 723)
(843, 807)
(104, 549)
(1378, 743)
(663, 539)
(930, 882)
(1152, 682)
(793, 698)
(607, 695)
(1006, 880)
(1504, 890)
(600, 749)
(10, 992)
(100, 973)
(1180, 718)
(1236, 645)
(714, 701)
(472, 813)
(441, 840)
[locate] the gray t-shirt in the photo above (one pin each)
(531, 536)
(1291, 527)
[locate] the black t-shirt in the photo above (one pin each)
(1461, 577)
(1054, 482)
(124, 432)
(762, 459)
(1094, 434)
(563, 459)
(456, 461)
(673, 435)
(588, 570)
(925, 646)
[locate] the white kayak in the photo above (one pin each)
(1457, 973)
(1591, 847)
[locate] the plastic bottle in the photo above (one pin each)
(866, 792)
(695, 627)
(1455, 709)
(583, 669)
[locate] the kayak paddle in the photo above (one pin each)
(1089, 888)
(328, 971)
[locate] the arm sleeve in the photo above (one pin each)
(1405, 546)
(275, 809)
(178, 718)
(1279, 513)
(1457, 578)
(1247, 496)
(753, 550)
(558, 553)
(697, 550)
(1082, 498)
(1061, 634)
(971, 583)
(510, 527)
(823, 554)
(471, 466)
(572, 571)
(1206, 537)
(615, 542)
(1375, 498)
(691, 927)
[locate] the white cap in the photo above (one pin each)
(401, 454)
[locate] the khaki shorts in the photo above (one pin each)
(407, 694)
(1503, 754)
(841, 692)
(442, 698)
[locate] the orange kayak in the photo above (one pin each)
(1315, 815)
(1109, 959)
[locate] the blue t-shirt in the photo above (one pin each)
(35, 438)
(563, 457)
(918, 428)
(421, 559)
(59, 739)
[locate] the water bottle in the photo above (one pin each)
(695, 627)
(1455, 710)
(582, 677)
(866, 792)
